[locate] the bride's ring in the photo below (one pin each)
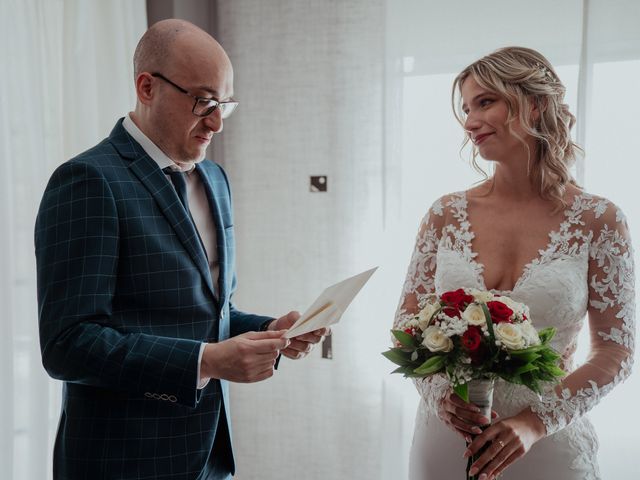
(501, 443)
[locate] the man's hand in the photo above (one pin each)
(246, 358)
(302, 344)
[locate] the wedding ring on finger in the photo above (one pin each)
(501, 443)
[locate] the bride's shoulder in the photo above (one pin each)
(445, 210)
(596, 211)
(447, 204)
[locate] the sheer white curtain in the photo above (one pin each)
(595, 46)
(66, 76)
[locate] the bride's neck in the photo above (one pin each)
(512, 183)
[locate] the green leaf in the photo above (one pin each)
(555, 371)
(546, 334)
(406, 371)
(510, 378)
(487, 317)
(462, 391)
(432, 365)
(398, 356)
(527, 357)
(529, 367)
(404, 338)
(533, 385)
(550, 355)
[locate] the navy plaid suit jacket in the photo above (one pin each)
(125, 299)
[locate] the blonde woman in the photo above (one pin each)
(531, 233)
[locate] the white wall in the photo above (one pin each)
(308, 82)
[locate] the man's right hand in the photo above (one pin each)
(246, 358)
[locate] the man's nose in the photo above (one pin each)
(213, 121)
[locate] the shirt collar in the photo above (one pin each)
(151, 148)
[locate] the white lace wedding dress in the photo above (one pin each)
(587, 266)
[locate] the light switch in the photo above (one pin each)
(318, 183)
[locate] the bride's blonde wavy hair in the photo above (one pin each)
(525, 78)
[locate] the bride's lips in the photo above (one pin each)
(481, 138)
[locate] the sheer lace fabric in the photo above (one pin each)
(586, 267)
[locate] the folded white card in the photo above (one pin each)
(330, 305)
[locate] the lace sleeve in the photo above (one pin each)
(611, 323)
(419, 283)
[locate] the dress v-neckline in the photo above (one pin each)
(526, 269)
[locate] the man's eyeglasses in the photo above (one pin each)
(203, 106)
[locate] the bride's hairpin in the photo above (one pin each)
(545, 71)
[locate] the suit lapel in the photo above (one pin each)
(221, 240)
(150, 175)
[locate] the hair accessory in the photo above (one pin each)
(545, 71)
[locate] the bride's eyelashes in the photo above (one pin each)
(482, 102)
(485, 102)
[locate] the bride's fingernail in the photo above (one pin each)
(467, 453)
(476, 430)
(473, 471)
(483, 476)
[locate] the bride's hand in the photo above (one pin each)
(508, 439)
(462, 417)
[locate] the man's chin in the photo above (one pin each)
(193, 157)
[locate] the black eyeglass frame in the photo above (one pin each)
(226, 108)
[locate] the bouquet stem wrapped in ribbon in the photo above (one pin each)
(480, 393)
(471, 335)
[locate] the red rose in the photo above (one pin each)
(478, 356)
(451, 312)
(472, 338)
(409, 331)
(499, 312)
(456, 298)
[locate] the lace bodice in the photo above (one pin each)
(586, 267)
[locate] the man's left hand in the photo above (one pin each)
(301, 345)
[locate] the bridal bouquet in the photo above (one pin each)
(474, 335)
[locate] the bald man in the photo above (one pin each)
(136, 273)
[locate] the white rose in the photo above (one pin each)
(481, 295)
(509, 335)
(474, 315)
(426, 313)
(436, 341)
(529, 333)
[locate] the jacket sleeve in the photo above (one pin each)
(76, 246)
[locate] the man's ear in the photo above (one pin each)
(145, 88)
